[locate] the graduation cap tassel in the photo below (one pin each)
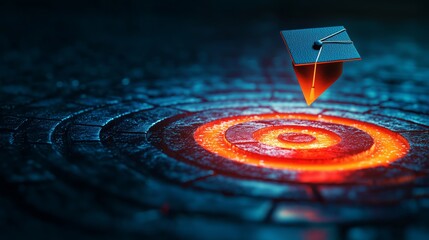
(333, 34)
(314, 75)
(340, 42)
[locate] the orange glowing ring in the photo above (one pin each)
(341, 140)
(301, 142)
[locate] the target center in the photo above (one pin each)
(294, 137)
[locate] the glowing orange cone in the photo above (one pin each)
(325, 76)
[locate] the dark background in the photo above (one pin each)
(97, 34)
(227, 10)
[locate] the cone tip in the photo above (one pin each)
(309, 101)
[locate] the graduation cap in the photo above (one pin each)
(317, 56)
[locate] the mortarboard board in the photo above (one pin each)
(317, 56)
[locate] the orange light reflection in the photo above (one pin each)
(388, 146)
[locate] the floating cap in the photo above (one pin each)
(317, 56)
(304, 45)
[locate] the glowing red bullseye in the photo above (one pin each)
(296, 137)
(301, 142)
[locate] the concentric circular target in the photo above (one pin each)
(301, 142)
